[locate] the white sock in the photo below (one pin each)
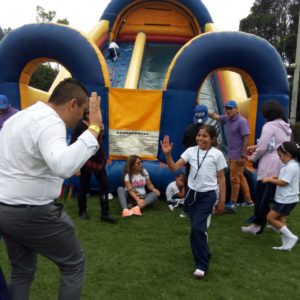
(285, 231)
(284, 240)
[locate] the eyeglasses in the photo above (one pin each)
(229, 108)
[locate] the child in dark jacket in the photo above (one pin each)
(95, 165)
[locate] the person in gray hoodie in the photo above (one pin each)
(275, 131)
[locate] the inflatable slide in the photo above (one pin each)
(171, 58)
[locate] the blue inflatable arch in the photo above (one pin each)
(49, 42)
(253, 57)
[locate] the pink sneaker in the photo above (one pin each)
(136, 211)
(126, 213)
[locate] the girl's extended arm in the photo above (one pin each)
(274, 180)
(166, 147)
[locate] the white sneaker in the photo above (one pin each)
(281, 248)
(291, 242)
(199, 273)
(254, 229)
(171, 207)
(110, 196)
(287, 243)
(183, 215)
(247, 204)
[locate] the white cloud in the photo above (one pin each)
(227, 14)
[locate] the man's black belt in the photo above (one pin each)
(19, 205)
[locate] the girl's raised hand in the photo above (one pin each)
(166, 146)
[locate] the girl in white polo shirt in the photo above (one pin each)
(287, 193)
(207, 172)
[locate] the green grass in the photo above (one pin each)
(149, 257)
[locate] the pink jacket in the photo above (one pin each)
(273, 134)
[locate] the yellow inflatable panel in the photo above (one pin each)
(134, 122)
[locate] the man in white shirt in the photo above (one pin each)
(34, 160)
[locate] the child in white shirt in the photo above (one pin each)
(287, 191)
(175, 192)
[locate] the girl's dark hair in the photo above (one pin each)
(291, 148)
(272, 110)
(211, 130)
(69, 89)
(128, 168)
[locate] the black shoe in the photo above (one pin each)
(84, 215)
(109, 219)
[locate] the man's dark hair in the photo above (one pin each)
(272, 110)
(68, 89)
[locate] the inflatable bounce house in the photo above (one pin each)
(171, 57)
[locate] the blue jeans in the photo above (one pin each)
(200, 207)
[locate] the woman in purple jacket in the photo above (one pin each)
(274, 132)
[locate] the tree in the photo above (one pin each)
(277, 22)
(48, 16)
(44, 16)
(44, 75)
(63, 21)
(3, 32)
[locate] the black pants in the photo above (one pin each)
(264, 196)
(85, 178)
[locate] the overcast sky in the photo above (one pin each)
(83, 15)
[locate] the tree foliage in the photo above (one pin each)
(277, 22)
(4, 31)
(43, 77)
(43, 16)
(1, 33)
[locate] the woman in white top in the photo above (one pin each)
(287, 193)
(207, 166)
(134, 196)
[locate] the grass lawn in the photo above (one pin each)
(149, 257)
